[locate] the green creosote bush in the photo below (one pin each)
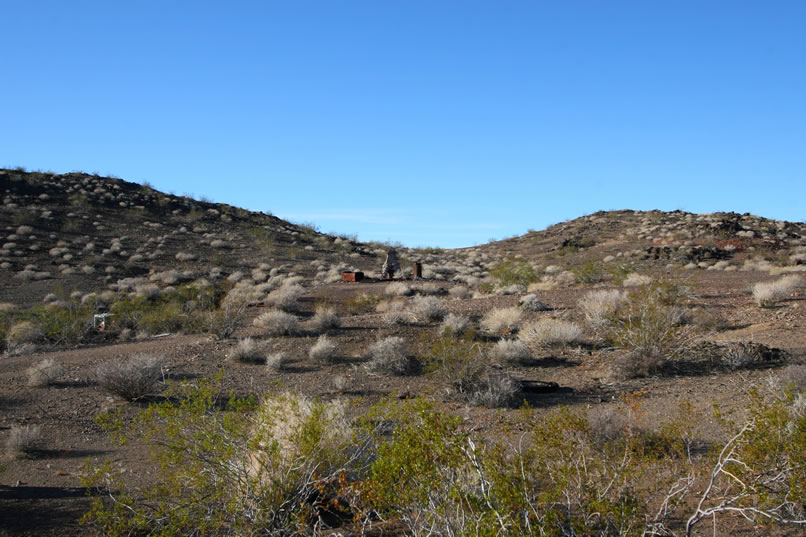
(513, 271)
(231, 467)
(650, 328)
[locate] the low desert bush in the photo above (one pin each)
(325, 318)
(247, 351)
(649, 328)
(767, 294)
(286, 297)
(510, 351)
(277, 361)
(362, 303)
(634, 279)
(460, 292)
(399, 289)
(393, 312)
(455, 324)
(549, 332)
(532, 303)
(277, 323)
(513, 271)
(131, 378)
(24, 440)
(428, 309)
(502, 321)
(599, 308)
(496, 389)
(44, 373)
(23, 333)
(323, 350)
(243, 469)
(389, 356)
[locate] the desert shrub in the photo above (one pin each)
(455, 324)
(738, 356)
(589, 272)
(428, 309)
(362, 303)
(548, 332)
(323, 350)
(131, 378)
(277, 361)
(233, 468)
(286, 297)
(767, 294)
(44, 373)
(277, 323)
(389, 356)
(633, 279)
(460, 292)
(24, 440)
(247, 351)
(22, 333)
(496, 389)
(513, 271)
(532, 303)
(394, 312)
(510, 351)
(599, 307)
(325, 318)
(502, 321)
(398, 289)
(649, 328)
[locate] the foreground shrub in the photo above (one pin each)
(131, 378)
(298, 466)
(767, 294)
(240, 470)
(287, 297)
(455, 324)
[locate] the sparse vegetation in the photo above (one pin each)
(44, 373)
(428, 309)
(277, 323)
(548, 332)
(24, 440)
(247, 351)
(323, 351)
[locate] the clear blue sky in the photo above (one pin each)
(442, 123)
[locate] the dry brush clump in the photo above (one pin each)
(768, 294)
(532, 303)
(286, 297)
(502, 321)
(24, 441)
(246, 351)
(599, 308)
(510, 351)
(389, 356)
(325, 318)
(428, 309)
(456, 324)
(44, 373)
(549, 332)
(323, 351)
(277, 361)
(132, 378)
(277, 323)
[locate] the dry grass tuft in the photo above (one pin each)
(548, 332)
(389, 356)
(768, 294)
(246, 351)
(323, 350)
(24, 441)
